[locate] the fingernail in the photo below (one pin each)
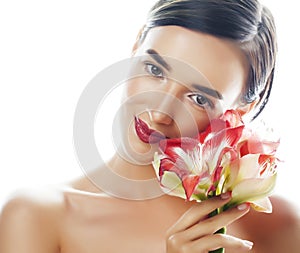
(248, 244)
(225, 195)
(243, 206)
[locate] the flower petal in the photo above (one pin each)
(253, 189)
(214, 147)
(156, 164)
(256, 145)
(216, 125)
(249, 166)
(189, 184)
(230, 174)
(233, 117)
(262, 205)
(168, 165)
(171, 184)
(186, 143)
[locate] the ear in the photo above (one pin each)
(137, 41)
(245, 109)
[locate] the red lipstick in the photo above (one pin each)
(145, 133)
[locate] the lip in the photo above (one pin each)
(147, 134)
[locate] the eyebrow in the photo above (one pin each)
(156, 56)
(208, 91)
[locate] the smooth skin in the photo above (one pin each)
(71, 221)
(77, 217)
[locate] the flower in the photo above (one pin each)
(227, 156)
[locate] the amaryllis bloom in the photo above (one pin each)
(227, 156)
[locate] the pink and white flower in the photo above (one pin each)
(227, 156)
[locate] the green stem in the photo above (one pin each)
(220, 231)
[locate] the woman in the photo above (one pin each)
(233, 45)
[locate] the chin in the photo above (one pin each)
(134, 150)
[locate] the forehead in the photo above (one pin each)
(221, 61)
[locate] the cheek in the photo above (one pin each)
(135, 94)
(131, 88)
(190, 123)
(203, 121)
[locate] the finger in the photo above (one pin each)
(213, 224)
(198, 212)
(216, 241)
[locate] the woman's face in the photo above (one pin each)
(185, 78)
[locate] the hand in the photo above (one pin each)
(194, 231)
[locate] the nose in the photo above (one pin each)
(160, 117)
(167, 104)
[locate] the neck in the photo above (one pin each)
(125, 180)
(130, 170)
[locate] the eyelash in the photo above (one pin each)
(148, 67)
(207, 101)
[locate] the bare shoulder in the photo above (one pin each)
(286, 225)
(285, 208)
(38, 220)
(285, 216)
(34, 200)
(278, 231)
(29, 220)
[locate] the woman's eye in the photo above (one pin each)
(201, 100)
(154, 70)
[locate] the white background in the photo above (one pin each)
(50, 50)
